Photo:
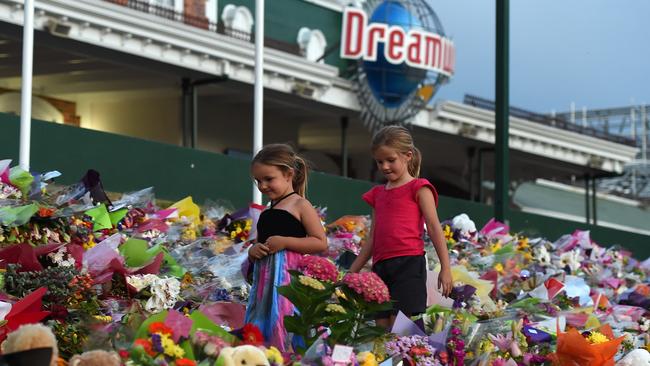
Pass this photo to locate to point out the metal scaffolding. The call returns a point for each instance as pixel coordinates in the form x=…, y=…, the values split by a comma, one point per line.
x=631, y=122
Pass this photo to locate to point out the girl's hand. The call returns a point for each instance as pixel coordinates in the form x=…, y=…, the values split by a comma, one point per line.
x=258, y=251
x=445, y=281
x=275, y=244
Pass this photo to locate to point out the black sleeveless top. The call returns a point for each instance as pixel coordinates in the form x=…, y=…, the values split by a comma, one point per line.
x=280, y=222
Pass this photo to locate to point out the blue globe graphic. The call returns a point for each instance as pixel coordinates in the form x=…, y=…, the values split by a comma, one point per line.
x=392, y=84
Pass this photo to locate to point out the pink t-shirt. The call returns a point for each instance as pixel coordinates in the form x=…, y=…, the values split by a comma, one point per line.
x=399, y=223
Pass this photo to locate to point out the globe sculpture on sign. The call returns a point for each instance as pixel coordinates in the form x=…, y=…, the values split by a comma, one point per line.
x=389, y=92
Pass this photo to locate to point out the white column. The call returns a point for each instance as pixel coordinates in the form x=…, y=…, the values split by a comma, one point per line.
x=258, y=123
x=26, y=88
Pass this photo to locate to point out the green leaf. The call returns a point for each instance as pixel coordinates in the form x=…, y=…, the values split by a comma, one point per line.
x=101, y=218
x=294, y=324
x=201, y=321
x=17, y=216
x=143, y=330
x=437, y=309
x=21, y=179
x=117, y=216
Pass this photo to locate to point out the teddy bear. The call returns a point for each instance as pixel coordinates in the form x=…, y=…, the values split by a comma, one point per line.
x=246, y=355
x=95, y=358
x=30, y=336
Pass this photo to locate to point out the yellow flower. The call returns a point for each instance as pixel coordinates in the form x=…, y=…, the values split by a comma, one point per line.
x=486, y=346
x=523, y=244
x=91, y=243
x=104, y=318
x=273, y=355
x=335, y=308
x=170, y=348
x=498, y=267
x=597, y=338
x=366, y=359
x=340, y=294
x=449, y=235
x=311, y=282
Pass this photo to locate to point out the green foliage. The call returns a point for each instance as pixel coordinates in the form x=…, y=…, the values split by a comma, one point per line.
x=320, y=309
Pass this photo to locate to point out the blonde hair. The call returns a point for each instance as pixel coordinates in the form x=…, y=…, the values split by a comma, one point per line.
x=400, y=139
x=283, y=157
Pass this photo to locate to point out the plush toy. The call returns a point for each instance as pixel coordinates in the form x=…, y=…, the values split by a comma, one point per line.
x=30, y=336
x=95, y=358
x=638, y=357
x=464, y=225
x=242, y=356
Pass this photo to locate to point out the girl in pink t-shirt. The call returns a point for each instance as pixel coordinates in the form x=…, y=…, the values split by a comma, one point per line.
x=400, y=209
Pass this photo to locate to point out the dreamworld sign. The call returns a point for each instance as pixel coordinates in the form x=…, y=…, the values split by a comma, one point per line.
x=395, y=43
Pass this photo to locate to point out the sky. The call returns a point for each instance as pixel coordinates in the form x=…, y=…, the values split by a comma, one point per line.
x=595, y=53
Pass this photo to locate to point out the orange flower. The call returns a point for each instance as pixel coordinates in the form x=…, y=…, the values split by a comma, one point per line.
x=574, y=349
x=185, y=362
x=45, y=212
x=160, y=327
x=146, y=345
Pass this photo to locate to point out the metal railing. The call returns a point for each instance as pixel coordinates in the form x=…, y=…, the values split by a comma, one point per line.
x=204, y=23
x=167, y=13
x=557, y=121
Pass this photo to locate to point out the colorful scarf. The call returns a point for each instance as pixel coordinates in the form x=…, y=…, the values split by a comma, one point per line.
x=266, y=307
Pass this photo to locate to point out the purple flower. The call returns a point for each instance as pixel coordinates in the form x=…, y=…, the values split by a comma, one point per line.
x=534, y=335
x=220, y=295
x=156, y=343
x=462, y=294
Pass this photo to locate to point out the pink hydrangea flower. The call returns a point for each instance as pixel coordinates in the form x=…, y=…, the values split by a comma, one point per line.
x=369, y=285
x=319, y=268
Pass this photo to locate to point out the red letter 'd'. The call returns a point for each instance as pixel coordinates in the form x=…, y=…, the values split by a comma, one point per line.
x=354, y=22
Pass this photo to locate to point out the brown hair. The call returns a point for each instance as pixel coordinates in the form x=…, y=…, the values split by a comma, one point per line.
x=283, y=157
x=400, y=139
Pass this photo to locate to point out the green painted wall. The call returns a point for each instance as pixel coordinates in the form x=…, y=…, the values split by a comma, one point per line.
x=283, y=19
x=128, y=164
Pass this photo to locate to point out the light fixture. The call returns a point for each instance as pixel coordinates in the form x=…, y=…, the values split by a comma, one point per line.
x=59, y=28
x=304, y=89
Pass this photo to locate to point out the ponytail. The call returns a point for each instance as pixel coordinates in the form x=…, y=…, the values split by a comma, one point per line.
x=415, y=162
x=300, y=172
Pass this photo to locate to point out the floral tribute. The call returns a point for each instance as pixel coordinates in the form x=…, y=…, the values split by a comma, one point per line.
x=346, y=308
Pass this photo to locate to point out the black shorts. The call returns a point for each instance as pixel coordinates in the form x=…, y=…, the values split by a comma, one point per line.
x=406, y=278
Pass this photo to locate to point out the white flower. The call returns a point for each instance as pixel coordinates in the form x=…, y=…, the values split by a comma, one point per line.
x=597, y=253
x=571, y=259
x=542, y=255
x=164, y=294
x=645, y=325
x=140, y=282
x=62, y=258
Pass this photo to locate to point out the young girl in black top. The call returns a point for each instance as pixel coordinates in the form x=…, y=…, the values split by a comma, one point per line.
x=289, y=228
